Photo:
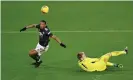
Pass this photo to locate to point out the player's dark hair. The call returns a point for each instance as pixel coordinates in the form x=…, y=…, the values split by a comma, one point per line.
x=43, y=21
x=79, y=56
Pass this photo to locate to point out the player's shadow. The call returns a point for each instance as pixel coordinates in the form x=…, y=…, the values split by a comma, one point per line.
x=75, y=69
x=108, y=71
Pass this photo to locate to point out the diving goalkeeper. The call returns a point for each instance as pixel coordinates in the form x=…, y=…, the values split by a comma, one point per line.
x=99, y=64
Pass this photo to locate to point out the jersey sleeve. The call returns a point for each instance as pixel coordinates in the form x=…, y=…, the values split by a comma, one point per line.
x=37, y=26
x=48, y=32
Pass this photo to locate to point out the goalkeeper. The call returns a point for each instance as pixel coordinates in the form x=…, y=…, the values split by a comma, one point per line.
x=99, y=64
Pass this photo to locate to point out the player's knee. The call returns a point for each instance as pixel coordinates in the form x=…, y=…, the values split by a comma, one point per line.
x=32, y=52
x=109, y=54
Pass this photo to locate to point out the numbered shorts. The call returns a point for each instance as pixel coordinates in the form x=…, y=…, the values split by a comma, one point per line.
x=40, y=49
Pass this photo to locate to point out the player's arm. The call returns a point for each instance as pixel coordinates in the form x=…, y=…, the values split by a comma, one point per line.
x=29, y=26
x=58, y=40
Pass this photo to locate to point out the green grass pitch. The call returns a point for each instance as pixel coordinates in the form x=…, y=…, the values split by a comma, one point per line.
x=60, y=63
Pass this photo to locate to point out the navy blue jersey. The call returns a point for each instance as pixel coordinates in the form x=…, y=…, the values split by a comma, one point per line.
x=44, y=35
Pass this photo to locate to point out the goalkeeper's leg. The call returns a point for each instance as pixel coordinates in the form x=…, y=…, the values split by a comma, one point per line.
x=114, y=65
x=110, y=64
x=107, y=56
x=117, y=53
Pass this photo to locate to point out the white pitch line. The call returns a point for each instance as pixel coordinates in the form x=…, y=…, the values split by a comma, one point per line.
x=96, y=31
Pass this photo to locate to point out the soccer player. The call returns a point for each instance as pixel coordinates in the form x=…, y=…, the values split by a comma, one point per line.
x=98, y=64
x=43, y=44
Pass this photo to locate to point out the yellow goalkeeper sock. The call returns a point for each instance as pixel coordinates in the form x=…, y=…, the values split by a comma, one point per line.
x=117, y=53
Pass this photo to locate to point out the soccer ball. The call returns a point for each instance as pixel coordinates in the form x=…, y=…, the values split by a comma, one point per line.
x=45, y=9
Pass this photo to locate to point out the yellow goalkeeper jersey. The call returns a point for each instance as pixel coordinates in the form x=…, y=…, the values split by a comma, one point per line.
x=92, y=64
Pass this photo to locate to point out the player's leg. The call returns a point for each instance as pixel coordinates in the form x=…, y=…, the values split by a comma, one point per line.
x=34, y=55
x=117, y=53
x=107, y=56
x=110, y=64
x=114, y=65
x=40, y=50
